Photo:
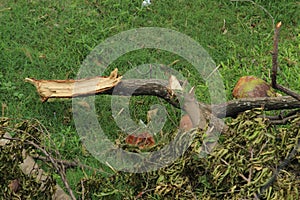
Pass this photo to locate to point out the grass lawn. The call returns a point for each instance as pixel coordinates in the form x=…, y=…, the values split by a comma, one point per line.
x=50, y=40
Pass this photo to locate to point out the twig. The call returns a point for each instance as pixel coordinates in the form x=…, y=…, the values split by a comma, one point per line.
x=293, y=112
x=159, y=88
x=281, y=166
x=275, y=66
x=262, y=147
x=140, y=194
x=214, y=71
x=245, y=179
x=265, y=10
x=282, y=119
x=275, y=55
x=5, y=9
x=83, y=190
x=250, y=170
x=234, y=107
x=54, y=164
x=173, y=63
x=288, y=91
x=66, y=163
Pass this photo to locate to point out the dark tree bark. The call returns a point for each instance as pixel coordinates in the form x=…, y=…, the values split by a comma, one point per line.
x=234, y=107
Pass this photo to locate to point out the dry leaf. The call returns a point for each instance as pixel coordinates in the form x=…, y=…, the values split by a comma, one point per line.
x=14, y=185
x=142, y=140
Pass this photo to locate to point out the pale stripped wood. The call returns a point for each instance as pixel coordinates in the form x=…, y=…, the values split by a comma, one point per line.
x=74, y=88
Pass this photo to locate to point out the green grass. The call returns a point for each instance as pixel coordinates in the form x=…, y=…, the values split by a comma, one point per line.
x=50, y=39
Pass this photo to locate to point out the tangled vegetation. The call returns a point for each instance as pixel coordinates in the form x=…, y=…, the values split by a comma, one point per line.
x=238, y=167
x=15, y=184
x=50, y=40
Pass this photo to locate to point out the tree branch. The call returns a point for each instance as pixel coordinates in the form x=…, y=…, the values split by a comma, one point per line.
x=275, y=55
x=234, y=107
x=275, y=66
x=159, y=88
x=149, y=87
x=288, y=91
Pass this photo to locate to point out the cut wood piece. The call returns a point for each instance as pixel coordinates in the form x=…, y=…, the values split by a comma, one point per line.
x=74, y=88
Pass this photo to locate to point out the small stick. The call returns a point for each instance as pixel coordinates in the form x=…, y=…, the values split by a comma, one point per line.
x=275, y=55
x=56, y=166
x=288, y=91
x=275, y=66
x=265, y=10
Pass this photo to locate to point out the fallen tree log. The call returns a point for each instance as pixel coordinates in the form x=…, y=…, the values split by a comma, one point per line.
x=113, y=85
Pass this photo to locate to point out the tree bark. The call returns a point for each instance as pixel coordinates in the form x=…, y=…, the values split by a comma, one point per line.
x=160, y=88
x=234, y=107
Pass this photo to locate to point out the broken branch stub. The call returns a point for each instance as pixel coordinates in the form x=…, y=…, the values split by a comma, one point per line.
x=196, y=113
x=65, y=88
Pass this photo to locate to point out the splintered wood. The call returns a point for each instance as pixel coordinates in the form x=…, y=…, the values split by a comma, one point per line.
x=74, y=88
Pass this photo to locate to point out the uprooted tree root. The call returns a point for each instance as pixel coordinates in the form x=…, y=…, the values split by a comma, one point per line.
x=238, y=168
